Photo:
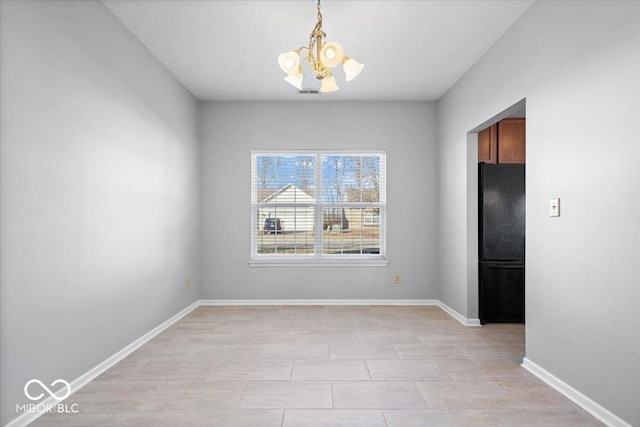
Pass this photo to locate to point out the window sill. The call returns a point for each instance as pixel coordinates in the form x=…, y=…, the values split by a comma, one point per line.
x=375, y=261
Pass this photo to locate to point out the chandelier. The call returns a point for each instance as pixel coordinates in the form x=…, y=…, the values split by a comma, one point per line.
x=327, y=56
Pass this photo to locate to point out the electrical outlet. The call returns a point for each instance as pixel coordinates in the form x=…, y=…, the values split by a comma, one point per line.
x=187, y=284
x=396, y=279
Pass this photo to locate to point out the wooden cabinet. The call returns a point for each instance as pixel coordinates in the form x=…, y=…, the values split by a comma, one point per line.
x=488, y=145
x=503, y=142
x=511, y=141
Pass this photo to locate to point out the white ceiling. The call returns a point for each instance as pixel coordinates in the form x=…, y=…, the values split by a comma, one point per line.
x=227, y=50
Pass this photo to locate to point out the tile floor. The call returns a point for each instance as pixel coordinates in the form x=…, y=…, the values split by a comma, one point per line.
x=323, y=366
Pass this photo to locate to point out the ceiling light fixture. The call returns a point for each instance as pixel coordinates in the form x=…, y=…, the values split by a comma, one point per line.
x=327, y=56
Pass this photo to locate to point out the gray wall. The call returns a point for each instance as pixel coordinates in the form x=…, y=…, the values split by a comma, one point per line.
x=577, y=64
x=230, y=130
x=99, y=192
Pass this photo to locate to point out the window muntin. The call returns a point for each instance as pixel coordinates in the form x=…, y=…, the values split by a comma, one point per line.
x=318, y=206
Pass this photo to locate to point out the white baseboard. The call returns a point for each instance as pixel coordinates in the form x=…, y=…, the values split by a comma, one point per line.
x=102, y=367
x=459, y=317
x=598, y=411
x=28, y=418
x=422, y=302
x=319, y=302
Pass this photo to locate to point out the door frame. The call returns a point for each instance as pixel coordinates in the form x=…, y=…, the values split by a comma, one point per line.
x=472, y=206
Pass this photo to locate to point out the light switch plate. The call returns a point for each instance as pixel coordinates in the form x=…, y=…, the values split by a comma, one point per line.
x=554, y=207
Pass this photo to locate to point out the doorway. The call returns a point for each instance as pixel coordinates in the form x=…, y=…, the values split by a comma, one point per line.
x=474, y=248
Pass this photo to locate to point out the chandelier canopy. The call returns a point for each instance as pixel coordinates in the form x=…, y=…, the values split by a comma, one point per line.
x=327, y=55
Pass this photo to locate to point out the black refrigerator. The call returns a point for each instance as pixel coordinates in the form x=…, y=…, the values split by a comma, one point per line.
x=501, y=242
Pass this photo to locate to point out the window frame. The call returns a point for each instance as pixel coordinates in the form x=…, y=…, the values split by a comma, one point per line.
x=318, y=258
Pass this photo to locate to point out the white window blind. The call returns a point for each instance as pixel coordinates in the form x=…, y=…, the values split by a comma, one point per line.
x=318, y=207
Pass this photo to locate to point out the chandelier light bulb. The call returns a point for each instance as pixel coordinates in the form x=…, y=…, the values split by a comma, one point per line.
x=352, y=68
x=331, y=54
x=329, y=84
x=289, y=62
x=294, y=80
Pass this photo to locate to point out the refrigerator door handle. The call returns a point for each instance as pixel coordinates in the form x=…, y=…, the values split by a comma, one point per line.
x=505, y=266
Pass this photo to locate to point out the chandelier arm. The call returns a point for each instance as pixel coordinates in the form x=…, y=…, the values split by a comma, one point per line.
x=308, y=59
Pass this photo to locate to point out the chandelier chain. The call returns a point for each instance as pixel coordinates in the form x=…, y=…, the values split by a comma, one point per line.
x=317, y=31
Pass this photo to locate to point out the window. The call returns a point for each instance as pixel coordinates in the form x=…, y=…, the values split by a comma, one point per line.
x=318, y=207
